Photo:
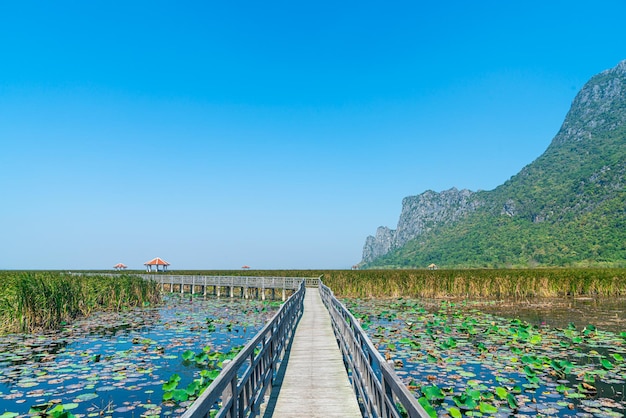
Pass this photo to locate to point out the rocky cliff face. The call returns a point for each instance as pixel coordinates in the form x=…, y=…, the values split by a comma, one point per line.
x=420, y=214
x=596, y=108
x=378, y=245
x=578, y=183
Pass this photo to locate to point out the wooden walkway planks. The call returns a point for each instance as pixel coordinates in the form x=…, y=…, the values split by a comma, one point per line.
x=315, y=382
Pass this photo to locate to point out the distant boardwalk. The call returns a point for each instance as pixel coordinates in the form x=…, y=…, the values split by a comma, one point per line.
x=315, y=383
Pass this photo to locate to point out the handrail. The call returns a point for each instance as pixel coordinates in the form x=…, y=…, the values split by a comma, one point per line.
x=265, y=282
x=376, y=384
x=240, y=388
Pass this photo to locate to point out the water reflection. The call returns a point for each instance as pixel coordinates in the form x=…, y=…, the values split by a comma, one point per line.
x=606, y=314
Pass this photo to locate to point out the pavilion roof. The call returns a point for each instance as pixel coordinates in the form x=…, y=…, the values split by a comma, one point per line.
x=156, y=262
x=120, y=266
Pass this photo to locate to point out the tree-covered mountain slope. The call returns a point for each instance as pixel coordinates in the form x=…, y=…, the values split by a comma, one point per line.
x=568, y=207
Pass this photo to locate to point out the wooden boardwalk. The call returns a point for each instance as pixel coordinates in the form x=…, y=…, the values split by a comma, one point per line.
x=314, y=382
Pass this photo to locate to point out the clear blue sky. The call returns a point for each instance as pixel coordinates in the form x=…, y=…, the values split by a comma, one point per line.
x=272, y=134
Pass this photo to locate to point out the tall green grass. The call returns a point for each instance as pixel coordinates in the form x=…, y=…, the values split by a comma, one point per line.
x=44, y=300
x=471, y=283
x=479, y=283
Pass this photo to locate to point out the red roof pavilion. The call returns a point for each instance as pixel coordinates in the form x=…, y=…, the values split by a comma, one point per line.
x=156, y=262
x=120, y=266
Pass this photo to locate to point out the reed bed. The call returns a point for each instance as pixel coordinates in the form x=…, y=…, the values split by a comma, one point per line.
x=466, y=283
x=481, y=283
x=46, y=300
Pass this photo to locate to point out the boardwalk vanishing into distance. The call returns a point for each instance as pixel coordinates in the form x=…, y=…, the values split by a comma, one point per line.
x=315, y=382
x=312, y=359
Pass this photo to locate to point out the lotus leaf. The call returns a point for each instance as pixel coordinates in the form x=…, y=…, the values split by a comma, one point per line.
x=432, y=392
x=486, y=408
x=427, y=407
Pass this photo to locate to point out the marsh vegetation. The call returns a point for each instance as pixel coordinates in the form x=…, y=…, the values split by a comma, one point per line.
x=32, y=301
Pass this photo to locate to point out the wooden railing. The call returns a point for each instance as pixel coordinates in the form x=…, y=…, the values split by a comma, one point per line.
x=376, y=384
x=226, y=281
x=260, y=282
x=313, y=281
x=240, y=388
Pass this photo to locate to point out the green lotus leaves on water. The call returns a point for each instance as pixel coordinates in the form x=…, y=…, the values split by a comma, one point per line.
x=589, y=330
x=427, y=407
x=454, y=412
x=512, y=401
x=448, y=344
x=170, y=386
x=188, y=355
x=464, y=401
x=486, y=408
x=100, y=361
x=432, y=392
x=193, y=388
x=506, y=364
x=180, y=395
x=83, y=397
x=69, y=406
x=210, y=374
x=201, y=358
x=607, y=364
x=501, y=392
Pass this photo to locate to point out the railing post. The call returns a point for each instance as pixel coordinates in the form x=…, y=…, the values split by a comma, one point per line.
x=375, y=382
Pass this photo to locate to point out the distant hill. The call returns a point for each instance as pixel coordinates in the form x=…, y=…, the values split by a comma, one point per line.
x=566, y=208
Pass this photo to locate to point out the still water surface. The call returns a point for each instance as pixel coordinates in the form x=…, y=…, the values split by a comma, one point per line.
x=116, y=364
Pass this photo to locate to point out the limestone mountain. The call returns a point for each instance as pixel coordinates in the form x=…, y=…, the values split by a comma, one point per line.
x=568, y=207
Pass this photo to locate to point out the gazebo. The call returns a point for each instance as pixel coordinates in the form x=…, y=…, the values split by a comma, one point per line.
x=120, y=266
x=246, y=267
x=156, y=262
x=432, y=266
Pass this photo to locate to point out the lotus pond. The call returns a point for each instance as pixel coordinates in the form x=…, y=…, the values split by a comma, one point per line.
x=462, y=361
x=143, y=362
